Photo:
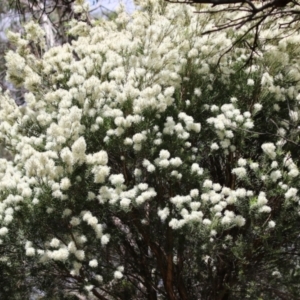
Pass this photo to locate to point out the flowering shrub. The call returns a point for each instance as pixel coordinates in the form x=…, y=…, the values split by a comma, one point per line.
x=146, y=165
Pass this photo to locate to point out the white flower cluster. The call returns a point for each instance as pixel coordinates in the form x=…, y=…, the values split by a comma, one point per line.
x=216, y=197
x=225, y=124
x=179, y=129
x=269, y=149
x=129, y=118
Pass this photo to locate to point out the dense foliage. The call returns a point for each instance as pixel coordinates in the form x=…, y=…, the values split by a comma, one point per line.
x=149, y=166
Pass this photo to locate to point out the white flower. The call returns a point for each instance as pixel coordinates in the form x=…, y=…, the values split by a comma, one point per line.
x=116, y=179
x=266, y=79
x=99, y=278
x=249, y=193
x=164, y=154
x=206, y=222
x=151, y=168
x=80, y=255
x=176, y=224
x=9, y=211
x=196, y=168
x=226, y=220
x=100, y=158
x=274, y=164
x=164, y=163
x=276, y=274
x=65, y=184
x=93, y=263
x=163, y=213
x=143, y=186
x=240, y=172
x=207, y=183
x=75, y=221
x=240, y=221
x=197, y=92
x=8, y=219
x=195, y=205
x=225, y=143
x=78, y=150
x=214, y=146
x=205, y=197
x=125, y=202
x=35, y=201
x=90, y=219
x=138, y=138
x=293, y=172
x=54, y=243
x=254, y=166
x=242, y=162
x=257, y=107
x=294, y=116
x=248, y=124
x=72, y=247
x=261, y=199
x=218, y=208
x=271, y=224
x=250, y=82
x=214, y=108
x=61, y=254
x=269, y=149
x=30, y=251
x=118, y=275
x=137, y=172
x=104, y=239
x=89, y=287
x=275, y=175
x=216, y=187
x=241, y=192
x=265, y=209
x=176, y=162
x=291, y=193
x=194, y=193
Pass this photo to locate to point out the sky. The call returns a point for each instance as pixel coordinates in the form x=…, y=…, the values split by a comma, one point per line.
x=97, y=6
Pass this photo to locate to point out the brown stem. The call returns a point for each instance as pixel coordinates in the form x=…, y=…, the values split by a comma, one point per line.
x=180, y=282
x=98, y=295
x=164, y=260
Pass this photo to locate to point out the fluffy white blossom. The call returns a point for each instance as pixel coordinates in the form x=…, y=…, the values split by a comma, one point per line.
x=163, y=213
x=62, y=254
x=105, y=239
x=54, y=243
x=269, y=149
x=242, y=162
x=291, y=193
x=118, y=275
x=250, y=82
x=125, y=202
x=164, y=154
x=78, y=150
x=275, y=175
x=117, y=179
x=30, y=251
x=240, y=172
x=271, y=224
x=207, y=183
x=3, y=231
x=65, y=183
x=93, y=263
x=214, y=146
